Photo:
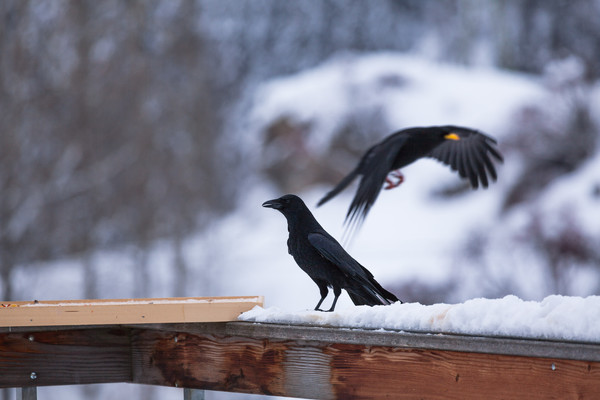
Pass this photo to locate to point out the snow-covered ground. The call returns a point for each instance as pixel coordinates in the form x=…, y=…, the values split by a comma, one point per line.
x=410, y=91
x=555, y=317
x=410, y=234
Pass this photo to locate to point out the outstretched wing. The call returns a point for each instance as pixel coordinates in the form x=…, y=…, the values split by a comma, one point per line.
x=471, y=156
x=376, y=165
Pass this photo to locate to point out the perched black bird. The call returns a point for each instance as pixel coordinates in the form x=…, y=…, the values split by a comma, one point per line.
x=465, y=150
x=324, y=259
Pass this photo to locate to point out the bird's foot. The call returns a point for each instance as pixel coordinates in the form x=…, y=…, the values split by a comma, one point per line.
x=394, y=179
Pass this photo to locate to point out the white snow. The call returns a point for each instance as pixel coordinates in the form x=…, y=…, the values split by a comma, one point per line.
x=424, y=93
x=409, y=236
x=574, y=193
x=511, y=259
x=555, y=317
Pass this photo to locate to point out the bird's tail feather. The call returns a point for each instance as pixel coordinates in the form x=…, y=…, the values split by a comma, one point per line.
x=339, y=187
x=390, y=297
x=369, y=297
x=363, y=299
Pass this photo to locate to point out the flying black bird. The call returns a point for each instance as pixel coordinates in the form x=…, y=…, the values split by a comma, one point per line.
x=465, y=150
x=324, y=259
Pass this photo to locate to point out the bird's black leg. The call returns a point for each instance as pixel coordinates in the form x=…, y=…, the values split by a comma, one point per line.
x=336, y=292
x=323, y=289
x=390, y=184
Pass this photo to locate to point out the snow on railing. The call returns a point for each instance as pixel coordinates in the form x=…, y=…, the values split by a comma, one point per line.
x=340, y=355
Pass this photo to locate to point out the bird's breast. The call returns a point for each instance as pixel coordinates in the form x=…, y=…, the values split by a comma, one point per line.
x=307, y=258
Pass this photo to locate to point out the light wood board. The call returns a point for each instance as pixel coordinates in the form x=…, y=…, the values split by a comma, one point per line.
x=125, y=311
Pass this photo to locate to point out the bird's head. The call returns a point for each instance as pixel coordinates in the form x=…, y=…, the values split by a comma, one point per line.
x=289, y=203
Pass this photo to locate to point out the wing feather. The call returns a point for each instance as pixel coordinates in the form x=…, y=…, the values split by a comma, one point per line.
x=478, y=168
x=475, y=171
x=335, y=253
x=471, y=156
x=377, y=164
x=329, y=248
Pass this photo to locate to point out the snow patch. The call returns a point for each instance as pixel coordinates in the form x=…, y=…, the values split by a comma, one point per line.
x=555, y=317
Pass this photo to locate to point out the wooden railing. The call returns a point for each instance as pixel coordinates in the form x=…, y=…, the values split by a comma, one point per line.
x=300, y=361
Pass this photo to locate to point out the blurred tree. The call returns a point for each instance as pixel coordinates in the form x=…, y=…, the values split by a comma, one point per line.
x=110, y=110
x=108, y=128
x=555, y=137
x=565, y=248
x=529, y=34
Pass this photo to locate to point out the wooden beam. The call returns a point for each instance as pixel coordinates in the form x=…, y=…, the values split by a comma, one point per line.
x=300, y=361
x=125, y=311
x=409, y=340
x=327, y=370
x=65, y=357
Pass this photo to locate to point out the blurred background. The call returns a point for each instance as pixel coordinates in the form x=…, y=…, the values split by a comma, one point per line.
x=139, y=139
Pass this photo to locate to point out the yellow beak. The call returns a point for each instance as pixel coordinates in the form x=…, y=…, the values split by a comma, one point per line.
x=452, y=136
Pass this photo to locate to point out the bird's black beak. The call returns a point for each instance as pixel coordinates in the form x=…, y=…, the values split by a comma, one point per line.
x=275, y=203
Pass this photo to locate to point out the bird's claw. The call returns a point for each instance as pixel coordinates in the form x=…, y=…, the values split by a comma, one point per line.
x=394, y=179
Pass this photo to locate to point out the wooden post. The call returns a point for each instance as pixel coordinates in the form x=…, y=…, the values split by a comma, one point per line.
x=193, y=394
x=27, y=393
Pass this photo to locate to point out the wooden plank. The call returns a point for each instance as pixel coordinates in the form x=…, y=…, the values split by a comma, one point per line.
x=297, y=361
x=125, y=311
x=452, y=342
x=65, y=357
x=325, y=370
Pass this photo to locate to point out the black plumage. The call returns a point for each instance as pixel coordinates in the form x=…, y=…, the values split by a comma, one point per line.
x=465, y=150
x=324, y=259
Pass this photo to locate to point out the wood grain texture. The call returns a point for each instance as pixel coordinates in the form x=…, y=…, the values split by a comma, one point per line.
x=544, y=348
x=126, y=311
x=307, y=362
x=65, y=357
x=351, y=371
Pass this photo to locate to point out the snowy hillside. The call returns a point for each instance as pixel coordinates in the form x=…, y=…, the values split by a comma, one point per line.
x=420, y=244
x=412, y=236
x=139, y=140
x=410, y=91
